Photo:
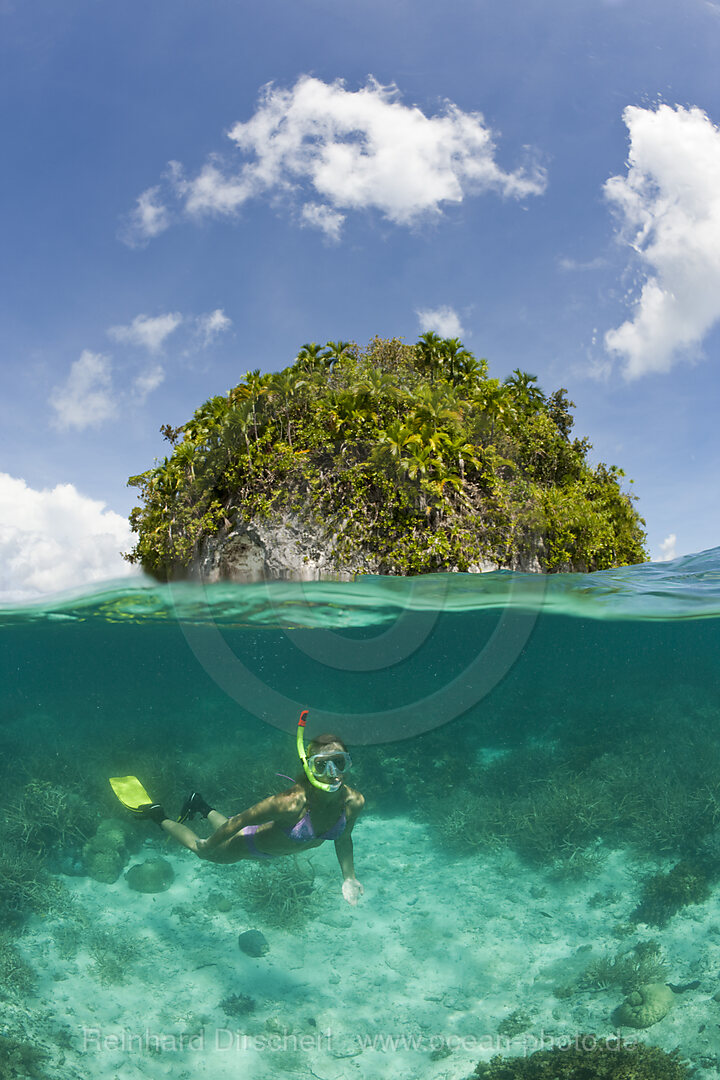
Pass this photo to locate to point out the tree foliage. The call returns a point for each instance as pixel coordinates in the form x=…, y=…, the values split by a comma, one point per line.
x=410, y=453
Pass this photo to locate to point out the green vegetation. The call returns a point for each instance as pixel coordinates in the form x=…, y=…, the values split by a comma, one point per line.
x=238, y=1005
x=627, y=970
x=26, y=887
x=283, y=893
x=568, y=795
x=589, y=1058
x=49, y=815
x=409, y=455
x=554, y=811
x=688, y=882
x=20, y=1060
x=17, y=978
x=113, y=955
x=515, y=1023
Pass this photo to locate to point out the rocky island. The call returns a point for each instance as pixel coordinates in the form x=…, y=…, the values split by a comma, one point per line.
x=385, y=459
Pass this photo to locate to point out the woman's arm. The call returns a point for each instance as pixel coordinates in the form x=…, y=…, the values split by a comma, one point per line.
x=270, y=809
x=352, y=890
x=344, y=852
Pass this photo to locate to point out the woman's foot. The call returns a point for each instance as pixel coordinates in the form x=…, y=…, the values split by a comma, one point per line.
x=194, y=804
x=153, y=812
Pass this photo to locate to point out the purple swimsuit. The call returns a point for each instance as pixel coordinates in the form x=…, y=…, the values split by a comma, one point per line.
x=301, y=832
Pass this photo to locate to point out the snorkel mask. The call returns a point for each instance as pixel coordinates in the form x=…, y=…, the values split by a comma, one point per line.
x=331, y=764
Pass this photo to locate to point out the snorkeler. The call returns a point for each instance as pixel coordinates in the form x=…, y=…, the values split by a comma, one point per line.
x=319, y=806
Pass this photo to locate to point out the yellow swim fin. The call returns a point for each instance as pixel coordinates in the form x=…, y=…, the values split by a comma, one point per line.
x=130, y=792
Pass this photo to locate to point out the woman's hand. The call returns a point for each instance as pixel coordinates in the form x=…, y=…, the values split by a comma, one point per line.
x=352, y=890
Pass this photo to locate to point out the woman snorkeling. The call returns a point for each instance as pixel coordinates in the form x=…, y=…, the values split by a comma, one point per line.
x=319, y=806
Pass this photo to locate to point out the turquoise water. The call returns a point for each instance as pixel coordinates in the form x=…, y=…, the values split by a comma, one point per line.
x=533, y=751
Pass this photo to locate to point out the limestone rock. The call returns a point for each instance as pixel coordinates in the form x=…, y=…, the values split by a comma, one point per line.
x=282, y=548
x=288, y=547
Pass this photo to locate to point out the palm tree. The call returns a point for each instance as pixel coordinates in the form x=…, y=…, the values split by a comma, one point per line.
x=418, y=461
x=429, y=349
x=334, y=351
x=393, y=444
x=525, y=391
x=351, y=409
x=470, y=369
x=184, y=458
x=255, y=386
x=237, y=422
x=311, y=357
x=283, y=388
x=461, y=452
x=437, y=407
x=206, y=420
x=454, y=354
x=434, y=438
x=165, y=483
x=377, y=384
x=494, y=399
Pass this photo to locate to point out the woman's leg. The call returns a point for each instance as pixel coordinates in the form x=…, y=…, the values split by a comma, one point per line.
x=181, y=833
x=185, y=835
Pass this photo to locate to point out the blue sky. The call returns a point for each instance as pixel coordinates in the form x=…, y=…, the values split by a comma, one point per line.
x=191, y=189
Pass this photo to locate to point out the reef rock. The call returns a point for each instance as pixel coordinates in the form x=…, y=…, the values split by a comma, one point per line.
x=253, y=942
x=105, y=854
x=154, y=875
x=645, y=1006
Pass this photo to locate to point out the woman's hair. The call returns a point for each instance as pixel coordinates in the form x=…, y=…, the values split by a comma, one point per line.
x=316, y=746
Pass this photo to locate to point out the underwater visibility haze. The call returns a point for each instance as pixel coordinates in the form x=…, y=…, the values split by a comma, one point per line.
x=539, y=849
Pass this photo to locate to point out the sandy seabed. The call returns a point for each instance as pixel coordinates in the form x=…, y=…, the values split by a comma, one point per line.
x=443, y=961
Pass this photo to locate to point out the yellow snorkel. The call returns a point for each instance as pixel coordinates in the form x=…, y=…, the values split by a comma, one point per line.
x=301, y=753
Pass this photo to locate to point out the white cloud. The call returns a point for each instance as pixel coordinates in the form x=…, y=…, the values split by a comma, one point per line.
x=328, y=150
x=212, y=325
x=147, y=331
x=668, y=549
x=319, y=216
x=669, y=207
x=56, y=539
x=86, y=398
x=211, y=192
x=148, y=219
x=146, y=382
x=443, y=321
x=90, y=394
x=569, y=264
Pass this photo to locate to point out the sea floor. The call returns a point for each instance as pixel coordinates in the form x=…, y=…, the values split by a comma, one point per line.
x=446, y=961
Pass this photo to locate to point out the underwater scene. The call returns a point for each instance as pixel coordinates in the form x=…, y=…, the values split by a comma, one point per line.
x=535, y=870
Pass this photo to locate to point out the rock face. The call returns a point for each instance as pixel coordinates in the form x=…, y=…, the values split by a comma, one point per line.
x=289, y=548
x=269, y=550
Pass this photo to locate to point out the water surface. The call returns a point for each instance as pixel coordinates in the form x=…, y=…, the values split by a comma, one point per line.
x=527, y=747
